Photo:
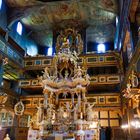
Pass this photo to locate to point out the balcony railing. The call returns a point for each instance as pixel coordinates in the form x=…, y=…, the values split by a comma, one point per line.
x=106, y=79
x=37, y=62
x=88, y=59
x=106, y=100
x=100, y=79
x=11, y=53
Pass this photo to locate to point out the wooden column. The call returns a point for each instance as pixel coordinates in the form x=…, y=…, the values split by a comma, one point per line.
x=1, y=73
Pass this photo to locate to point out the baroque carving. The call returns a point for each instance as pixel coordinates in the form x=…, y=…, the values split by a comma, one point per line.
x=19, y=108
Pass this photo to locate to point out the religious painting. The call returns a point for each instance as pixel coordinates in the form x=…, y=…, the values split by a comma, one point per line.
x=22, y=3
x=111, y=5
x=95, y=13
x=63, y=11
x=48, y=16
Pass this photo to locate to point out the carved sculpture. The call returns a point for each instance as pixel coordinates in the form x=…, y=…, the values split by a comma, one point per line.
x=89, y=112
x=7, y=137
x=71, y=39
x=132, y=83
x=134, y=79
x=19, y=108
x=39, y=114
x=3, y=98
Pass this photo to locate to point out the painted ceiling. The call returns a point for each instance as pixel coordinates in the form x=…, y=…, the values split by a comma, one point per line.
x=45, y=16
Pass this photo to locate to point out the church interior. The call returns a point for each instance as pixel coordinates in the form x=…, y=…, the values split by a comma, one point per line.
x=69, y=69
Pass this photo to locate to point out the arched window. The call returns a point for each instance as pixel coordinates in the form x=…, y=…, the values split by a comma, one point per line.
x=0, y=4
x=50, y=51
x=101, y=48
x=19, y=28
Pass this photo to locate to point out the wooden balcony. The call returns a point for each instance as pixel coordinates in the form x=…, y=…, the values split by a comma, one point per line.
x=106, y=100
x=33, y=63
x=29, y=83
x=105, y=79
x=13, y=55
x=100, y=79
x=40, y=61
x=100, y=60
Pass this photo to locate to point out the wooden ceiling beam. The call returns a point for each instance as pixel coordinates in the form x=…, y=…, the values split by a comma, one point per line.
x=133, y=10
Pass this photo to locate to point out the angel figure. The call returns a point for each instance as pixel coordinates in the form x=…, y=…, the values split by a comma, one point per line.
x=60, y=112
x=128, y=89
x=40, y=78
x=66, y=74
x=75, y=54
x=7, y=137
x=79, y=43
x=46, y=73
x=59, y=41
x=134, y=79
x=39, y=114
x=87, y=78
x=75, y=113
x=50, y=111
x=68, y=109
x=89, y=112
x=78, y=72
x=68, y=106
x=45, y=100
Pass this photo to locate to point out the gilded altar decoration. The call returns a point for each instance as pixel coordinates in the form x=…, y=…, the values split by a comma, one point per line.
x=67, y=80
x=69, y=39
x=133, y=79
x=19, y=108
x=67, y=76
x=5, y=61
x=3, y=98
x=132, y=83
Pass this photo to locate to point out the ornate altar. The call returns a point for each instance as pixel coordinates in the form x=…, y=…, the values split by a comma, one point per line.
x=69, y=81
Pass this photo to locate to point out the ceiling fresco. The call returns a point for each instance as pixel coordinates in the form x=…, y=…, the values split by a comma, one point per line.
x=46, y=37
x=22, y=3
x=100, y=33
x=45, y=16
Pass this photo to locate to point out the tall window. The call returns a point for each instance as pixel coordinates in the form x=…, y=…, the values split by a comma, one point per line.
x=101, y=48
x=0, y=4
x=117, y=21
x=19, y=28
x=50, y=51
